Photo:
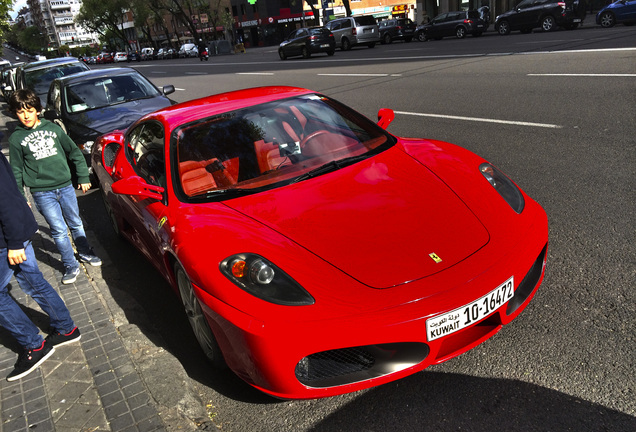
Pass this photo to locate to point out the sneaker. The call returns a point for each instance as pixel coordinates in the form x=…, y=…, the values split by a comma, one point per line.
x=29, y=360
x=70, y=275
x=59, y=339
x=90, y=259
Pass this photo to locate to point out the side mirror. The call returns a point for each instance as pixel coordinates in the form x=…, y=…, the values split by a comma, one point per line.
x=168, y=89
x=138, y=187
x=385, y=117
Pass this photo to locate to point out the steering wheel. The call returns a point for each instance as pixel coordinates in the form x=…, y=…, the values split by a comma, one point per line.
x=311, y=136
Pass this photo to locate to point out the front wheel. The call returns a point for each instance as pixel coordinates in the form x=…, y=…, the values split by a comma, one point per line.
x=281, y=54
x=548, y=23
x=608, y=20
x=386, y=39
x=197, y=319
x=421, y=37
x=460, y=32
x=503, y=28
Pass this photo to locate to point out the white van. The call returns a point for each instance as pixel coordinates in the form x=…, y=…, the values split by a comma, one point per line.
x=147, y=53
x=188, y=50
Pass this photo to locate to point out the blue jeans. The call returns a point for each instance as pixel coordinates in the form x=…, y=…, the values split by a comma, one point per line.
x=59, y=208
x=32, y=282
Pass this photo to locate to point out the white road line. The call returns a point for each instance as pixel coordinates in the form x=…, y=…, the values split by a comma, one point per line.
x=485, y=120
x=254, y=73
x=355, y=74
x=585, y=75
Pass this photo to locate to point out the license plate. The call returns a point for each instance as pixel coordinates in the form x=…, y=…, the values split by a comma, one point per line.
x=367, y=30
x=467, y=315
x=576, y=20
x=324, y=46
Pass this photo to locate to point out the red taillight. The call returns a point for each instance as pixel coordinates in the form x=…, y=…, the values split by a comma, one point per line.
x=354, y=31
x=562, y=4
x=312, y=37
x=467, y=21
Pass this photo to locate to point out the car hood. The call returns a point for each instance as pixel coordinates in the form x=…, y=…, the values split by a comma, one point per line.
x=384, y=221
x=119, y=116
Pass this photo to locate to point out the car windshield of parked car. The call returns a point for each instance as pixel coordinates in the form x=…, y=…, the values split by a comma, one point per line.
x=270, y=145
x=39, y=80
x=105, y=91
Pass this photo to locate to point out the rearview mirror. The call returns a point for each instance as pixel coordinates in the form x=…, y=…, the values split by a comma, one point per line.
x=385, y=117
x=168, y=89
x=137, y=186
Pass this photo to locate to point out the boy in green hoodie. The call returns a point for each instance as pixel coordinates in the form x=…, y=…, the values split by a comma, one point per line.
x=42, y=156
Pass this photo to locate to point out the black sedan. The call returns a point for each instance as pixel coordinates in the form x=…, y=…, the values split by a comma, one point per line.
x=307, y=41
x=89, y=104
x=455, y=23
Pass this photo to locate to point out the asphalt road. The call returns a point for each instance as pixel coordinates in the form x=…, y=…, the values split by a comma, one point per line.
x=556, y=112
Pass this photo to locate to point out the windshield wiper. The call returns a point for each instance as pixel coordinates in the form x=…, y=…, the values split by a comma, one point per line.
x=329, y=167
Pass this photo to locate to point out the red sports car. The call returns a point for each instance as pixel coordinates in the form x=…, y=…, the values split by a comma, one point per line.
x=315, y=253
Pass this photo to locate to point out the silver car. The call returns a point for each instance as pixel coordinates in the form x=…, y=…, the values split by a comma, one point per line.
x=352, y=31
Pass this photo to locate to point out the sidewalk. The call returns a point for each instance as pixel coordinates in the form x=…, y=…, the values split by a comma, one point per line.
x=96, y=384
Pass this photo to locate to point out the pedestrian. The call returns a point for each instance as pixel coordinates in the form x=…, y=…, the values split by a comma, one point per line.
x=17, y=226
x=42, y=157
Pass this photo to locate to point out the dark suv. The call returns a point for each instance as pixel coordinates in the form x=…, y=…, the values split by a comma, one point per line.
x=396, y=29
x=457, y=23
x=544, y=14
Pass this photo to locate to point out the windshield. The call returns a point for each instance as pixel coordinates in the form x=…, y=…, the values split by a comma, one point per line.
x=271, y=144
x=39, y=80
x=104, y=91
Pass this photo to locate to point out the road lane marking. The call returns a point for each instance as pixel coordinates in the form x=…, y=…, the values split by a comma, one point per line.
x=254, y=73
x=484, y=120
x=359, y=74
x=584, y=75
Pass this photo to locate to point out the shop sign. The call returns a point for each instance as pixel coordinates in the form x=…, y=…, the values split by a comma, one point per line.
x=399, y=9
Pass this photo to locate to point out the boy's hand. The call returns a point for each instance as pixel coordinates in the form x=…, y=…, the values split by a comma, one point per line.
x=84, y=187
x=16, y=256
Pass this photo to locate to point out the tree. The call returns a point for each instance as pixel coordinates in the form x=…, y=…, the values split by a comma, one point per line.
x=101, y=16
x=5, y=7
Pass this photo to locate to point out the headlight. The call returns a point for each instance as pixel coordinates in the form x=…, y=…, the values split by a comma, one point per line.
x=502, y=184
x=264, y=280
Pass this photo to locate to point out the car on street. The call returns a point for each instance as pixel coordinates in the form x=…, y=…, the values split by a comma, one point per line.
x=188, y=50
x=353, y=31
x=544, y=14
x=456, y=23
x=306, y=41
x=147, y=54
x=314, y=252
x=120, y=57
x=38, y=75
x=396, y=29
x=621, y=11
x=89, y=104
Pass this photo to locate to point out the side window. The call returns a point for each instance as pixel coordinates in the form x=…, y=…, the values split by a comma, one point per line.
x=146, y=152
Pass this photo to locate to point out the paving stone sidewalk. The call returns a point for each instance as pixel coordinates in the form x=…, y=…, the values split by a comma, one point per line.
x=90, y=385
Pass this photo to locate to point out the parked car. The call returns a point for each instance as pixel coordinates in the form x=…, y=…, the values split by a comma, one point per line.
x=353, y=31
x=107, y=57
x=455, y=23
x=7, y=79
x=120, y=57
x=396, y=29
x=306, y=41
x=544, y=14
x=38, y=75
x=133, y=56
x=147, y=54
x=300, y=238
x=188, y=50
x=621, y=11
x=89, y=104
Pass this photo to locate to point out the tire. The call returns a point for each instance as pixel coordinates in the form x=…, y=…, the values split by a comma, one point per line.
x=503, y=28
x=421, y=37
x=111, y=215
x=305, y=53
x=281, y=54
x=386, y=39
x=197, y=319
x=607, y=20
x=460, y=32
x=346, y=45
x=548, y=23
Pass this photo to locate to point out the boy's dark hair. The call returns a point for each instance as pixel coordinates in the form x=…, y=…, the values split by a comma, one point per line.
x=24, y=99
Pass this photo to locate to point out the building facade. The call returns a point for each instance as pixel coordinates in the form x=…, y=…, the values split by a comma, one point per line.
x=56, y=20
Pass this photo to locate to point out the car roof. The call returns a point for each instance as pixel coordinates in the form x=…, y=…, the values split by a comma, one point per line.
x=49, y=62
x=224, y=102
x=96, y=73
